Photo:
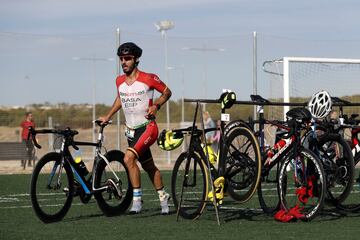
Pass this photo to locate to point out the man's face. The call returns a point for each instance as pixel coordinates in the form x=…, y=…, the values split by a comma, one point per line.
x=127, y=63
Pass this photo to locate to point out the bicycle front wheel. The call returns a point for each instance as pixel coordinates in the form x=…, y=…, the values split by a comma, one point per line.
x=51, y=188
x=116, y=192
x=189, y=184
x=242, y=164
x=302, y=184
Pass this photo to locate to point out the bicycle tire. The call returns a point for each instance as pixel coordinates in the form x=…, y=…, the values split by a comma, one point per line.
x=242, y=164
x=338, y=162
x=236, y=124
x=352, y=203
x=44, y=188
x=107, y=200
x=357, y=158
x=193, y=184
x=268, y=191
x=298, y=175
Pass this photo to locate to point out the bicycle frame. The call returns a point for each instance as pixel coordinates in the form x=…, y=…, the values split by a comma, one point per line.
x=195, y=146
x=292, y=139
x=66, y=158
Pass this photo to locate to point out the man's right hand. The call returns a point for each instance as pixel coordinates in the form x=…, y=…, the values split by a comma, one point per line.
x=104, y=119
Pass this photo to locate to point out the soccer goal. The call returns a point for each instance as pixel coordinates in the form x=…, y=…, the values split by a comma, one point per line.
x=295, y=79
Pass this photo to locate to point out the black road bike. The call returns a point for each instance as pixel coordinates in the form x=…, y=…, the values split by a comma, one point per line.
x=290, y=169
x=194, y=176
x=57, y=178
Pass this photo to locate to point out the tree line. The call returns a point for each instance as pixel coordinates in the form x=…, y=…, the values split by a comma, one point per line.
x=80, y=115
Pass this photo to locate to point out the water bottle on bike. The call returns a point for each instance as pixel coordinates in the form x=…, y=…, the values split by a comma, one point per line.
x=80, y=165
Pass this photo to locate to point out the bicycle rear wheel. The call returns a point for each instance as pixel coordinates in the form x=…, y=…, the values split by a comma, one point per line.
x=352, y=202
x=116, y=196
x=338, y=164
x=302, y=184
x=51, y=188
x=189, y=182
x=242, y=164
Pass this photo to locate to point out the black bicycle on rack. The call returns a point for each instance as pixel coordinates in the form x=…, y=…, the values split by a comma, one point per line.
x=57, y=178
x=290, y=173
x=337, y=167
x=333, y=150
x=344, y=194
x=196, y=181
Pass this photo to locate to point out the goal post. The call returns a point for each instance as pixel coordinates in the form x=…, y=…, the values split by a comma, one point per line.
x=303, y=76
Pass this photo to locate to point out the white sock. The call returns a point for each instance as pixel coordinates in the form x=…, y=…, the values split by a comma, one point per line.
x=137, y=193
x=161, y=193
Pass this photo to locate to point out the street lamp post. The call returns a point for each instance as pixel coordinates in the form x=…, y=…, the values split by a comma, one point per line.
x=182, y=68
x=163, y=27
x=93, y=60
x=204, y=50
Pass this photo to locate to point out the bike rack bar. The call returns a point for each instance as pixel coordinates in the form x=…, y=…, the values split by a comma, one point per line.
x=246, y=102
x=303, y=104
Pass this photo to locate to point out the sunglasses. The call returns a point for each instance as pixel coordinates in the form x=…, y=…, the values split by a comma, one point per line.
x=126, y=58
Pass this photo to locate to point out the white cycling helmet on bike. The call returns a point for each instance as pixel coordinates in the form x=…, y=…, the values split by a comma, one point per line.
x=320, y=104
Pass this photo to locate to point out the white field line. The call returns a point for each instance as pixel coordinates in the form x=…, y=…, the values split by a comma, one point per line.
x=73, y=204
x=25, y=197
x=18, y=198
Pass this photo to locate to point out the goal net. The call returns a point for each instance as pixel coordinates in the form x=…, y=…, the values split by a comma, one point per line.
x=295, y=79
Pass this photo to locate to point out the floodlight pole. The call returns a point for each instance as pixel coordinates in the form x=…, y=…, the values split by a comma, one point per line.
x=204, y=50
x=93, y=59
x=163, y=27
x=182, y=68
x=255, y=70
x=118, y=73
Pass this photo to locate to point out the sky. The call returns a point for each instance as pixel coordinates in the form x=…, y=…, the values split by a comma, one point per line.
x=39, y=41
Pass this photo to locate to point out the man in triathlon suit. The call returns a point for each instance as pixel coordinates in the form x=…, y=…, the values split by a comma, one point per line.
x=135, y=96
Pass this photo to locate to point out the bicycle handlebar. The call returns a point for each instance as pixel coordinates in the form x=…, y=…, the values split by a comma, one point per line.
x=190, y=129
x=67, y=133
x=101, y=123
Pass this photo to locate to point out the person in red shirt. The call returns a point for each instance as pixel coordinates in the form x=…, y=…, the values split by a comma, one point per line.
x=135, y=92
x=28, y=144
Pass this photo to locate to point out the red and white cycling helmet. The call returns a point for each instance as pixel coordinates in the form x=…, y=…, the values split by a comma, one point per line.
x=320, y=104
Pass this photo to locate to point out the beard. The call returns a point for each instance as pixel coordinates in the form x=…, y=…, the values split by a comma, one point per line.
x=128, y=69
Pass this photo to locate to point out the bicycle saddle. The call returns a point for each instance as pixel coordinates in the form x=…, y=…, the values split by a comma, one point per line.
x=258, y=99
x=354, y=115
x=299, y=113
x=337, y=100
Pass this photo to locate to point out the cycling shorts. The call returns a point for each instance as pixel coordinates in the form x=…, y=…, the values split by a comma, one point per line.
x=142, y=139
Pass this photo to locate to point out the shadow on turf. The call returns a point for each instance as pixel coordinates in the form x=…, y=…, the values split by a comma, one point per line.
x=228, y=213
x=145, y=213
x=81, y=217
